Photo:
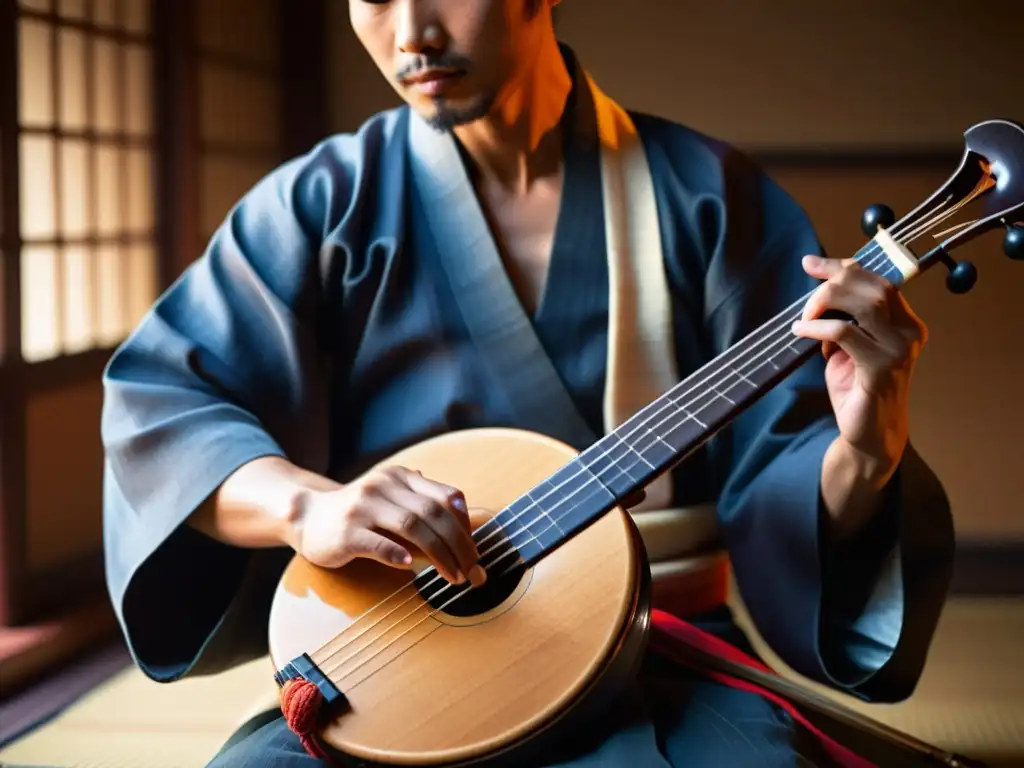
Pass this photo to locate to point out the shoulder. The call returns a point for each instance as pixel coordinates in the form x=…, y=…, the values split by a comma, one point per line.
x=699, y=169
x=693, y=158
x=275, y=231
x=706, y=165
x=724, y=208
x=319, y=186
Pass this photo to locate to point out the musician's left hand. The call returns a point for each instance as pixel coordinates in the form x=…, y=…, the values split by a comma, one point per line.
x=870, y=362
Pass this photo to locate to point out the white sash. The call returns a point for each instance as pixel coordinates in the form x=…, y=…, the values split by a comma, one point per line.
x=641, y=354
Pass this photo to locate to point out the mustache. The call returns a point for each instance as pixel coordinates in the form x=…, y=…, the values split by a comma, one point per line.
x=433, y=61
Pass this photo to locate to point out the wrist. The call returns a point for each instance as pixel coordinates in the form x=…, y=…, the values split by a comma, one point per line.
x=262, y=504
x=858, y=468
x=296, y=494
x=852, y=486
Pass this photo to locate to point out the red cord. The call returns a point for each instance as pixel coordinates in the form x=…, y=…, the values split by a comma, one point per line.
x=670, y=629
x=301, y=704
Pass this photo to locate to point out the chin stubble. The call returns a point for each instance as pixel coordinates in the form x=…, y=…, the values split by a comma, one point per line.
x=446, y=117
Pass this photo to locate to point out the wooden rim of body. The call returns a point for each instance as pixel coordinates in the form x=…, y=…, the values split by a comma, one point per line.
x=436, y=689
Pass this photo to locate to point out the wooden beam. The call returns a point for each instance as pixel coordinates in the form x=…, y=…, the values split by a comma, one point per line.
x=840, y=158
x=45, y=592
x=30, y=651
x=988, y=567
x=12, y=392
x=304, y=81
x=66, y=370
x=176, y=105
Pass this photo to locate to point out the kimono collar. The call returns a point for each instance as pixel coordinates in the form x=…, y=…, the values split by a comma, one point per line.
x=641, y=351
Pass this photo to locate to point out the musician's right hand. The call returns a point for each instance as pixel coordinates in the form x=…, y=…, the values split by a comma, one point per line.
x=380, y=514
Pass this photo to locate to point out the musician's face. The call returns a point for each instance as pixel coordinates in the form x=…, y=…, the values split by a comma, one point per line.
x=452, y=60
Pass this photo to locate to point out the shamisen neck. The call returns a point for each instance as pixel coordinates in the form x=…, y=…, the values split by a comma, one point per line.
x=675, y=424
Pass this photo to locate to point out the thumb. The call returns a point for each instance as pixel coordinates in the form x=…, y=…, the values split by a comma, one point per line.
x=633, y=499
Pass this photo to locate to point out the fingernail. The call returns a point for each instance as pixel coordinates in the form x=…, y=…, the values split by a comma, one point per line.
x=459, y=503
x=478, y=576
x=401, y=558
x=812, y=261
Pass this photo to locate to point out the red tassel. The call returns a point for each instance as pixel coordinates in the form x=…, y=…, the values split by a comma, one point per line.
x=301, y=703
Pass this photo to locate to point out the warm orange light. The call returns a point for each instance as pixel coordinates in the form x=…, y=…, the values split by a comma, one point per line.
x=107, y=190
x=40, y=336
x=110, y=295
x=74, y=189
x=73, y=94
x=88, y=263
x=105, y=79
x=79, y=323
x=37, y=186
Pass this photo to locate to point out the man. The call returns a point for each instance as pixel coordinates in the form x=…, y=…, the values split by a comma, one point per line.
x=335, y=318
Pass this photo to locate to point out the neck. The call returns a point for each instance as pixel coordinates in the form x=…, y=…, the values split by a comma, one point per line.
x=520, y=140
x=662, y=433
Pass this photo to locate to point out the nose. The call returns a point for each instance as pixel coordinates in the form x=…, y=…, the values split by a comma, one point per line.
x=417, y=29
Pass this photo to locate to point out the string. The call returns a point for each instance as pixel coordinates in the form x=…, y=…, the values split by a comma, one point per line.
x=510, y=550
x=514, y=548
x=522, y=529
x=983, y=185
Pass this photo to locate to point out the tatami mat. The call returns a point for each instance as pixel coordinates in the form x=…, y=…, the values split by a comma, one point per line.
x=971, y=696
x=971, y=701
x=132, y=722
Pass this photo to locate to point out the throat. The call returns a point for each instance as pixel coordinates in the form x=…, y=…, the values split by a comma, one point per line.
x=524, y=227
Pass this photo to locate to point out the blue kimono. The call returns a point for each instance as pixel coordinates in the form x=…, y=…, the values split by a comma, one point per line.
x=332, y=322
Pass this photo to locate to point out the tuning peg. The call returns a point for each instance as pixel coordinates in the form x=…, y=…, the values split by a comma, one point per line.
x=1013, y=242
x=962, y=276
x=876, y=216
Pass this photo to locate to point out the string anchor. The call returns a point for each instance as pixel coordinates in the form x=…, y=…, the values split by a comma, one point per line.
x=1013, y=242
x=962, y=274
x=876, y=216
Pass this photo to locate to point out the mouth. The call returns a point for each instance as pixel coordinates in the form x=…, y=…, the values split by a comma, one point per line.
x=433, y=82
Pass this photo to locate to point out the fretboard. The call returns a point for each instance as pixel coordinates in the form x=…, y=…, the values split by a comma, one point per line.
x=663, y=433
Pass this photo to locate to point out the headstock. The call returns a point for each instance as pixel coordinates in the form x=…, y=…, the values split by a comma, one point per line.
x=991, y=172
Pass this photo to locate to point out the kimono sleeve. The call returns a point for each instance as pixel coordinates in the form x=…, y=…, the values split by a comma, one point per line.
x=225, y=368
x=859, y=617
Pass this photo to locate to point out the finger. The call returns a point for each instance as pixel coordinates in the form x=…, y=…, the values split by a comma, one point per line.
x=448, y=515
x=822, y=268
x=429, y=526
x=825, y=268
x=366, y=543
x=844, y=334
x=870, y=299
x=464, y=547
x=452, y=498
x=835, y=293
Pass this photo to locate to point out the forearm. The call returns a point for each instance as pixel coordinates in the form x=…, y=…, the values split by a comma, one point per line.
x=259, y=505
x=852, y=486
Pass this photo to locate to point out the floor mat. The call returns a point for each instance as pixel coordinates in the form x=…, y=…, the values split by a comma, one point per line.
x=971, y=696
x=970, y=700
x=47, y=698
x=132, y=722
